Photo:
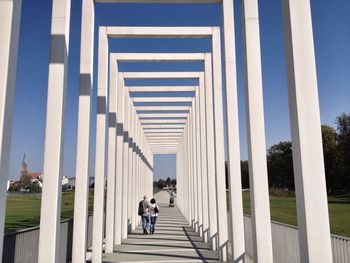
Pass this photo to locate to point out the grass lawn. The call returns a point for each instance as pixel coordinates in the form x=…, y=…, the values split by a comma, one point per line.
x=283, y=209
x=23, y=211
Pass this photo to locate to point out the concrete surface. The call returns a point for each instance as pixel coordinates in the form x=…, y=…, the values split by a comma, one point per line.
x=173, y=241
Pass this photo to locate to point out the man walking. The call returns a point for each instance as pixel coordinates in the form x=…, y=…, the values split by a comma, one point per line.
x=144, y=207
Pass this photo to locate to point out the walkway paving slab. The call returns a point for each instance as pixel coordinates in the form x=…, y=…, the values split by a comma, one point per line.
x=173, y=242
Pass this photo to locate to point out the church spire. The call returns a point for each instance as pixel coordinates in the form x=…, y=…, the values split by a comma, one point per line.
x=24, y=169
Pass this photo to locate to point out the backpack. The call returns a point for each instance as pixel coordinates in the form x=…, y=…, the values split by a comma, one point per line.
x=156, y=209
x=140, y=211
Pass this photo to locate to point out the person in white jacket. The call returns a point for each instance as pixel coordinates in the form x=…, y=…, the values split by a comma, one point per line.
x=154, y=210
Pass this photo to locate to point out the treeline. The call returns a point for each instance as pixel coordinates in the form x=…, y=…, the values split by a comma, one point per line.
x=160, y=184
x=336, y=150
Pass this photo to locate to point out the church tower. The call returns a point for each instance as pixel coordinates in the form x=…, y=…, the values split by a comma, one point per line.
x=24, y=170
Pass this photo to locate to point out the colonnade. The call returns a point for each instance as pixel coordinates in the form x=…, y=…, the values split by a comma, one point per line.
x=126, y=152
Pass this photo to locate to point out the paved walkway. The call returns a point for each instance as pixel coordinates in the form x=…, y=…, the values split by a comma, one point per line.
x=173, y=241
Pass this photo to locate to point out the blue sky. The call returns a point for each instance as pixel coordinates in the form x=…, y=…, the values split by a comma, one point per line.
x=331, y=34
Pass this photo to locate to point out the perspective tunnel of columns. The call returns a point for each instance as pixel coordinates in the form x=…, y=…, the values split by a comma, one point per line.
x=135, y=121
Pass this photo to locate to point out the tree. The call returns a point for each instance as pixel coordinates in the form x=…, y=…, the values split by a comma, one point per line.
x=329, y=141
x=280, y=165
x=343, y=148
x=26, y=180
x=245, y=174
x=161, y=184
x=168, y=182
x=173, y=182
x=34, y=187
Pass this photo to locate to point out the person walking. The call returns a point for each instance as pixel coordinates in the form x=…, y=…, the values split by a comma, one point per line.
x=144, y=212
x=154, y=210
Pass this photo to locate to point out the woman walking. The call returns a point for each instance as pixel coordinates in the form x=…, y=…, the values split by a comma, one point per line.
x=154, y=210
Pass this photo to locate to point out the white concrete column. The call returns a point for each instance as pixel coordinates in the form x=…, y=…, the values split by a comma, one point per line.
x=10, y=13
x=310, y=185
x=199, y=165
x=119, y=161
x=54, y=137
x=81, y=196
x=134, y=167
x=191, y=164
x=131, y=164
x=124, y=210
x=219, y=146
x=209, y=112
x=111, y=167
x=259, y=192
x=204, y=175
x=233, y=149
x=100, y=159
x=194, y=167
x=187, y=186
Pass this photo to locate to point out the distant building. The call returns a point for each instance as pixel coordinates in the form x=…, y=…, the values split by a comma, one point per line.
x=36, y=177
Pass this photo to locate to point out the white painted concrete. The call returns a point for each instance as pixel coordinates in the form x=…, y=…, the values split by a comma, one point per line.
x=311, y=195
x=111, y=158
x=83, y=135
x=210, y=139
x=219, y=147
x=54, y=137
x=233, y=142
x=259, y=192
x=10, y=13
x=100, y=158
x=159, y=32
x=133, y=89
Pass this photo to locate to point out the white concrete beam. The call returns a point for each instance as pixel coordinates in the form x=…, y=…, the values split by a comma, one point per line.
x=161, y=75
x=162, y=108
x=163, y=121
x=159, y=32
x=162, y=126
x=145, y=89
x=162, y=2
x=164, y=116
x=178, y=131
x=162, y=99
x=159, y=57
x=171, y=135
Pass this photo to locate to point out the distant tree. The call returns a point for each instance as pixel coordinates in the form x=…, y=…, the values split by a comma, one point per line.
x=245, y=174
x=26, y=180
x=168, y=181
x=161, y=184
x=173, y=182
x=34, y=187
x=280, y=166
x=15, y=187
x=329, y=139
x=343, y=148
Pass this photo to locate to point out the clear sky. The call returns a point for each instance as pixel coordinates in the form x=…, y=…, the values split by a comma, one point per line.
x=331, y=22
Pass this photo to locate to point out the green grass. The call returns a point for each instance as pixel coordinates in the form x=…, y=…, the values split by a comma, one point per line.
x=283, y=209
x=23, y=211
